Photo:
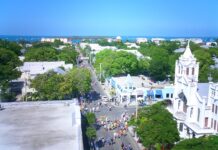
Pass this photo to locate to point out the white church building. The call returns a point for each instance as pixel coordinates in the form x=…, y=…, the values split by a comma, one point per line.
x=195, y=105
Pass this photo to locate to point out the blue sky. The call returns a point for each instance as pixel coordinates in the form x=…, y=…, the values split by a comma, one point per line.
x=109, y=17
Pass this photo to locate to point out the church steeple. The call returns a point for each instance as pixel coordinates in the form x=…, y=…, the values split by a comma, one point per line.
x=188, y=53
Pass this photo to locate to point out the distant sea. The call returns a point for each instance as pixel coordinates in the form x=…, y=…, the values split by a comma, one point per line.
x=76, y=39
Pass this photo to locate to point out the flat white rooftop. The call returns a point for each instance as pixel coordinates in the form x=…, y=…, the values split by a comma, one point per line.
x=51, y=125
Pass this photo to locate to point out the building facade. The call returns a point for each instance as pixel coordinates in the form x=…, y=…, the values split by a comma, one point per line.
x=131, y=89
x=194, y=104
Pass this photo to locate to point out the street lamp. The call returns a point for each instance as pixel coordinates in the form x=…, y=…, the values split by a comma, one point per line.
x=168, y=78
x=100, y=72
x=210, y=78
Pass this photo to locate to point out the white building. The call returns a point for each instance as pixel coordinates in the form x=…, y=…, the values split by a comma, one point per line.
x=196, y=40
x=157, y=40
x=141, y=40
x=41, y=125
x=193, y=101
x=96, y=47
x=132, y=45
x=118, y=39
x=64, y=40
x=30, y=70
x=130, y=89
x=135, y=52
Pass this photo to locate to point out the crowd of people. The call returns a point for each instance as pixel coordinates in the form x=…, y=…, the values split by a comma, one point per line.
x=115, y=129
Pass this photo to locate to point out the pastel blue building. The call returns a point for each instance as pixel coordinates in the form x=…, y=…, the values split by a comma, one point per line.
x=129, y=89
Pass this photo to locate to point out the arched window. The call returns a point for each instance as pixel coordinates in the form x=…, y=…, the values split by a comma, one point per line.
x=193, y=71
x=187, y=71
x=198, y=114
x=179, y=104
x=191, y=112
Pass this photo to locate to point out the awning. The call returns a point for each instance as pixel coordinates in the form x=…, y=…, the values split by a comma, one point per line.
x=150, y=93
x=158, y=92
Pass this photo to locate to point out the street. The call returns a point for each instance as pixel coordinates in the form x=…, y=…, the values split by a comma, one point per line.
x=114, y=114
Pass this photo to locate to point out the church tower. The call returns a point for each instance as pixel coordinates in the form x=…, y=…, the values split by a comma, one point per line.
x=186, y=77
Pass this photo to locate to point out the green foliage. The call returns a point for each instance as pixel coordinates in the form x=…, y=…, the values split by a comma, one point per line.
x=79, y=80
x=9, y=62
x=118, y=63
x=91, y=133
x=204, y=143
x=48, y=86
x=13, y=46
x=68, y=54
x=47, y=52
x=118, y=44
x=163, y=59
x=91, y=119
x=52, y=86
x=205, y=60
x=41, y=54
x=155, y=125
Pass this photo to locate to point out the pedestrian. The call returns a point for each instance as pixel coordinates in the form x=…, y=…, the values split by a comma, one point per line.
x=129, y=147
x=122, y=145
x=103, y=141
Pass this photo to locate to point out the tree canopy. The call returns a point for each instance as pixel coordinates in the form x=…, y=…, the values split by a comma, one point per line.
x=117, y=44
x=119, y=63
x=163, y=59
x=46, y=52
x=204, y=143
x=12, y=46
x=156, y=126
x=52, y=86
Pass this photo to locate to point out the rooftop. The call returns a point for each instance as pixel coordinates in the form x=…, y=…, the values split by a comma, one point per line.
x=203, y=89
x=49, y=125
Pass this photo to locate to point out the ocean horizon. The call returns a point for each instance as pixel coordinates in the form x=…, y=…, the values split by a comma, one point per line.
x=17, y=38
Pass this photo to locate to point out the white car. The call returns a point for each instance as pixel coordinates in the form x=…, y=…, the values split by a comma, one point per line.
x=105, y=98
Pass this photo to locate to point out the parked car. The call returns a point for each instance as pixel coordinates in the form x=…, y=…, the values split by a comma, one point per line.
x=105, y=98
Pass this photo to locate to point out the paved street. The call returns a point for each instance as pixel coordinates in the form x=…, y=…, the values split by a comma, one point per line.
x=114, y=114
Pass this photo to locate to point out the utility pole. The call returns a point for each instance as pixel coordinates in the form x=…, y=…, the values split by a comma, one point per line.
x=90, y=58
x=136, y=113
x=100, y=72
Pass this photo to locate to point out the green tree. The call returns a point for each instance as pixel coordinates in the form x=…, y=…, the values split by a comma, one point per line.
x=159, y=64
x=205, y=61
x=155, y=125
x=117, y=63
x=204, y=143
x=68, y=54
x=13, y=46
x=41, y=54
x=91, y=133
x=79, y=80
x=48, y=86
x=91, y=119
x=8, y=71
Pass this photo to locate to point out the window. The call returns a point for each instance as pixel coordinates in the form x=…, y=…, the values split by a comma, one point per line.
x=193, y=71
x=213, y=108
x=187, y=71
x=206, y=122
x=167, y=95
x=179, y=69
x=181, y=127
x=191, y=112
x=198, y=114
x=216, y=110
x=214, y=127
x=211, y=123
x=179, y=104
x=171, y=95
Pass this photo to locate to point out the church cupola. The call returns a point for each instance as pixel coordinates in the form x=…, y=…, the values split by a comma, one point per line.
x=187, y=66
